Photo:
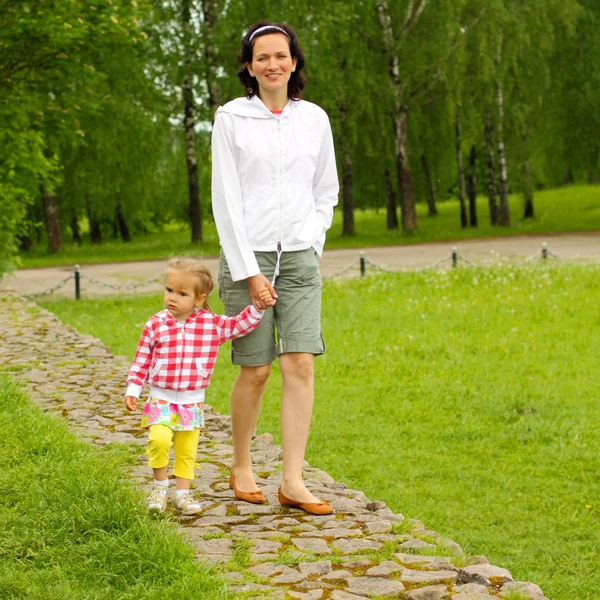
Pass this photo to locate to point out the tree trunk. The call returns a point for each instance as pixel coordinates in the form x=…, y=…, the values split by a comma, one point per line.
x=430, y=186
x=491, y=168
x=461, y=171
x=121, y=223
x=25, y=242
x=400, y=119
x=210, y=62
x=189, y=124
x=392, y=215
x=347, y=203
x=472, y=187
x=591, y=178
x=51, y=220
x=405, y=183
x=75, y=231
x=95, y=229
x=528, y=212
x=569, y=177
x=503, y=209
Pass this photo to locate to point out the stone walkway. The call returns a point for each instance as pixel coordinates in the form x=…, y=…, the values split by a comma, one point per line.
x=363, y=551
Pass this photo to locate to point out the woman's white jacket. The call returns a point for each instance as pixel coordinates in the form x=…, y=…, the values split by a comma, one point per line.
x=274, y=180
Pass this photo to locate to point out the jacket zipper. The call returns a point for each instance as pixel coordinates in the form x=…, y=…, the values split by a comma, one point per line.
x=180, y=356
x=280, y=234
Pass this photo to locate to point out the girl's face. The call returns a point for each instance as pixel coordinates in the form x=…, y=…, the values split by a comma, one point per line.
x=272, y=63
x=180, y=298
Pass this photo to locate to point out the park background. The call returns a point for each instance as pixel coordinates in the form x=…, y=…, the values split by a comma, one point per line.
x=451, y=120
x=107, y=107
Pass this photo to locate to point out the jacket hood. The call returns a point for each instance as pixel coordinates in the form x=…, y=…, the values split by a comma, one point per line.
x=253, y=108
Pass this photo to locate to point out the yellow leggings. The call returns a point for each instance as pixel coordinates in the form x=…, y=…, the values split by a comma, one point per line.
x=185, y=447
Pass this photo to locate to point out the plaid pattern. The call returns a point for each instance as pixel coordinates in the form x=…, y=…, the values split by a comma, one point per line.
x=181, y=356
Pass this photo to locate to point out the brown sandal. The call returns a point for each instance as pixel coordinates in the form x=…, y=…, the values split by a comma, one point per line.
x=253, y=497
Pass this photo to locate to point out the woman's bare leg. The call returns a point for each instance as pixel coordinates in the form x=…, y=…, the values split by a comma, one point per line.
x=297, y=371
x=245, y=407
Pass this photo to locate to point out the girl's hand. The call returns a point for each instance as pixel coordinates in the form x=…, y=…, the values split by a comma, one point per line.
x=256, y=285
x=131, y=403
x=266, y=298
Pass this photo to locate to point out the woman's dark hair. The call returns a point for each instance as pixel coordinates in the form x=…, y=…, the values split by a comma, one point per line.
x=297, y=78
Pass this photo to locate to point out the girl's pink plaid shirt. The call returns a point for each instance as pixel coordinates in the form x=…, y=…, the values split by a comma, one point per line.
x=181, y=356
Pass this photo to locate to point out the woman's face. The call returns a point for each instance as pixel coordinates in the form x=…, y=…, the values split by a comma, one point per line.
x=272, y=63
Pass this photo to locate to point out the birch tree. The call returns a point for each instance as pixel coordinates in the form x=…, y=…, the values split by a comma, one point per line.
x=419, y=43
x=187, y=64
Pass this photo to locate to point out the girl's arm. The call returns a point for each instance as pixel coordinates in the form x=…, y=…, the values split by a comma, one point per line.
x=138, y=373
x=227, y=201
x=230, y=328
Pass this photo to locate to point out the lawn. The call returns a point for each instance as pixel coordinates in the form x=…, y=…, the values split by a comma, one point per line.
x=71, y=530
x=573, y=208
x=465, y=398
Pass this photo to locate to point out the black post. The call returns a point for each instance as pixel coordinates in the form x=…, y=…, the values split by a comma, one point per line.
x=544, y=250
x=454, y=258
x=362, y=265
x=77, y=283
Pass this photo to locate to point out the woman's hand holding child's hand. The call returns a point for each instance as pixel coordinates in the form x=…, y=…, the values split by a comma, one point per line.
x=131, y=403
x=256, y=286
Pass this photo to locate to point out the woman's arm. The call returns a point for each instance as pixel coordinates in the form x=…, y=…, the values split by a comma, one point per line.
x=227, y=201
x=325, y=183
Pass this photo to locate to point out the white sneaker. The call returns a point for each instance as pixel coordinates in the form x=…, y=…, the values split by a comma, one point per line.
x=157, y=500
x=187, y=505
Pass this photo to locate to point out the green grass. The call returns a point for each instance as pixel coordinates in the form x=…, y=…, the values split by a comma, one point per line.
x=573, y=208
x=465, y=398
x=71, y=530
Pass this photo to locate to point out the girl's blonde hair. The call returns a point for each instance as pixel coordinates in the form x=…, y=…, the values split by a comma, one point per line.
x=203, y=281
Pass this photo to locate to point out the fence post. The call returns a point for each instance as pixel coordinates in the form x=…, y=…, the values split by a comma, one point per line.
x=362, y=264
x=454, y=257
x=544, y=250
x=77, y=283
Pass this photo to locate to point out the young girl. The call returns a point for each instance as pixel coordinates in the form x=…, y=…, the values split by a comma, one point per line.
x=176, y=355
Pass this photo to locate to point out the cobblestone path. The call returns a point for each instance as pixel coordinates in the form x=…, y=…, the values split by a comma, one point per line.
x=363, y=551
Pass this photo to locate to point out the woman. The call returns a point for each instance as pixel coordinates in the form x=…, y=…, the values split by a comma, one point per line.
x=274, y=187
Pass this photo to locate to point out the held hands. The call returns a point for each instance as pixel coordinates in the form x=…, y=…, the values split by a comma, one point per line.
x=266, y=299
x=131, y=403
x=262, y=293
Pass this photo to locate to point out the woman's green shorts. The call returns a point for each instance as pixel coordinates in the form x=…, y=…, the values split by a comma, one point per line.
x=293, y=324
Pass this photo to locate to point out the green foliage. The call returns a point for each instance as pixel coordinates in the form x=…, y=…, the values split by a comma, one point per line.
x=71, y=528
x=91, y=98
x=53, y=56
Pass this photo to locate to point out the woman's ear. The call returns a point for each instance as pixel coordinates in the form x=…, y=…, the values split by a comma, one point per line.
x=249, y=69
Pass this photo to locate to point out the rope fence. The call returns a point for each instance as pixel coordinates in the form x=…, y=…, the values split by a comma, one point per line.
x=364, y=264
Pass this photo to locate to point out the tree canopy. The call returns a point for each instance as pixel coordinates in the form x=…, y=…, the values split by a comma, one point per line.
x=106, y=106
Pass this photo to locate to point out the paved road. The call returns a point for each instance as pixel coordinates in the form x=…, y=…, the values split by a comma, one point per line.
x=585, y=246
